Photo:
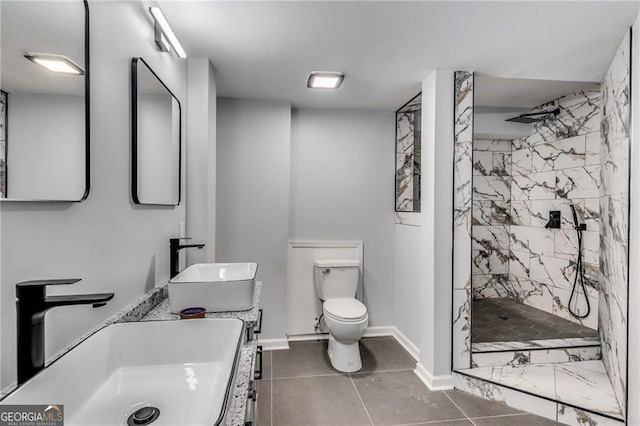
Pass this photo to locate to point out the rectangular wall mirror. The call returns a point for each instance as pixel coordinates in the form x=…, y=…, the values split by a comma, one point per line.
x=156, y=138
x=44, y=100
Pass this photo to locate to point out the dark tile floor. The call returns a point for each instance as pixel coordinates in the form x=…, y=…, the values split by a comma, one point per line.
x=505, y=320
x=301, y=388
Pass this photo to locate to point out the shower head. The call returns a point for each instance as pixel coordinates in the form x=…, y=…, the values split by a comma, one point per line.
x=534, y=117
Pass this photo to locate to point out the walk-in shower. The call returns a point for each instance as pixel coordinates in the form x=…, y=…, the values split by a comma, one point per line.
x=540, y=230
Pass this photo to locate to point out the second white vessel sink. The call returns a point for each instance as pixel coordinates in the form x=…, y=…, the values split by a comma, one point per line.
x=217, y=287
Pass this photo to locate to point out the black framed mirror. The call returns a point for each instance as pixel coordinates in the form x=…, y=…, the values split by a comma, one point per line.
x=156, y=138
x=44, y=101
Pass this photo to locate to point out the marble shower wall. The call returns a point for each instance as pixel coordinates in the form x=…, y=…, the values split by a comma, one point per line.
x=462, y=182
x=614, y=210
x=3, y=144
x=491, y=217
x=556, y=166
x=408, y=156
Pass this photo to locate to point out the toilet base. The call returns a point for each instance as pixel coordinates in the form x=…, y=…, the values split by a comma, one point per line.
x=344, y=357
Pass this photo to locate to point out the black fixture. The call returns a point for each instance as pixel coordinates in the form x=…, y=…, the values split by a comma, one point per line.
x=578, y=282
x=174, y=248
x=534, y=117
x=145, y=82
x=554, y=220
x=144, y=416
x=31, y=307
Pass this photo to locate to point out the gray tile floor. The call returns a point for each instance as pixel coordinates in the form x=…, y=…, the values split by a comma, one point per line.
x=505, y=320
x=301, y=388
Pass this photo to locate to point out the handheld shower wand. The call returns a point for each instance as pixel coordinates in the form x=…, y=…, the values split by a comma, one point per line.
x=578, y=283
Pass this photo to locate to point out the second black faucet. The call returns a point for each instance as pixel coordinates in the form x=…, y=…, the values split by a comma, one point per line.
x=174, y=248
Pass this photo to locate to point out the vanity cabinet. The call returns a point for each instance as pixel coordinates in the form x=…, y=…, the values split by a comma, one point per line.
x=251, y=412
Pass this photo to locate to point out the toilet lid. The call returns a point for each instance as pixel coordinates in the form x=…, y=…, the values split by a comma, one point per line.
x=347, y=309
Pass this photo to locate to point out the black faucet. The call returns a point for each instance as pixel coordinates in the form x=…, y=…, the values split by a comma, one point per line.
x=174, y=248
x=31, y=307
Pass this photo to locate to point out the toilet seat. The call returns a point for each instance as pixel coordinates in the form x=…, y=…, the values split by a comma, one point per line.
x=345, y=309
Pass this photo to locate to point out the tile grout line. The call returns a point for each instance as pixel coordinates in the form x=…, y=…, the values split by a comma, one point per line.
x=431, y=422
x=458, y=407
x=341, y=375
x=360, y=398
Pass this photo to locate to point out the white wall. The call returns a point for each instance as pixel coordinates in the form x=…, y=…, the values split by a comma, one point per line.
x=157, y=145
x=252, y=213
x=342, y=188
x=434, y=316
x=46, y=146
x=201, y=160
x=113, y=245
x=633, y=383
x=408, y=281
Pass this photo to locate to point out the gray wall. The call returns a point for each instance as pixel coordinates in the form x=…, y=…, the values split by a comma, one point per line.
x=437, y=201
x=342, y=188
x=201, y=160
x=408, y=282
x=113, y=245
x=252, y=214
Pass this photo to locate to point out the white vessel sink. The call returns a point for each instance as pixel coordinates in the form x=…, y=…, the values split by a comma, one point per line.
x=184, y=368
x=217, y=287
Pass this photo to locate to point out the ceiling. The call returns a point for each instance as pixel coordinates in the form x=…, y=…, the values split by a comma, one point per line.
x=266, y=50
x=41, y=27
x=523, y=93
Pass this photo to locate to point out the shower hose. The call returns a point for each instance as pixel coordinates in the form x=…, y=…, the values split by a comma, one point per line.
x=578, y=282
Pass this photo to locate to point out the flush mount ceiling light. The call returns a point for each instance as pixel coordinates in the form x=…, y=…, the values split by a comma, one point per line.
x=164, y=35
x=55, y=63
x=325, y=80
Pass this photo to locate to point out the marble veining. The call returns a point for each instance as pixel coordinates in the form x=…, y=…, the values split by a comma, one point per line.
x=462, y=219
x=536, y=344
x=3, y=144
x=408, y=152
x=583, y=384
x=552, y=169
x=614, y=205
x=489, y=386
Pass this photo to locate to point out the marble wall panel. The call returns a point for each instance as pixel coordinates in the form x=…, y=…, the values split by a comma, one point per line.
x=614, y=208
x=463, y=184
x=3, y=144
x=558, y=155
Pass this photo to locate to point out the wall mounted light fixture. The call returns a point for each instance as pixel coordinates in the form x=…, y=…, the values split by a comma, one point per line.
x=325, y=80
x=164, y=35
x=55, y=63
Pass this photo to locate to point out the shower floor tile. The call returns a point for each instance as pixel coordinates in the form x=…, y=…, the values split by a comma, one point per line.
x=505, y=320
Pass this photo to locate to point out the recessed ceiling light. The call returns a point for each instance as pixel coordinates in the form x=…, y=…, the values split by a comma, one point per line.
x=55, y=63
x=325, y=80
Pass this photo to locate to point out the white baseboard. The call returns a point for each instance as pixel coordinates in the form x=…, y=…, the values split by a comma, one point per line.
x=376, y=331
x=308, y=337
x=379, y=331
x=273, y=344
x=407, y=344
x=434, y=383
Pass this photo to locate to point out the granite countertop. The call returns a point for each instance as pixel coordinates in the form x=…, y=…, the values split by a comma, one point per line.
x=154, y=306
x=245, y=369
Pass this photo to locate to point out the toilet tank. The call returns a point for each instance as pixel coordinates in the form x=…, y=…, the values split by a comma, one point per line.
x=336, y=277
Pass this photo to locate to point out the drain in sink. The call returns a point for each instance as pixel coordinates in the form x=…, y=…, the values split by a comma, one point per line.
x=144, y=416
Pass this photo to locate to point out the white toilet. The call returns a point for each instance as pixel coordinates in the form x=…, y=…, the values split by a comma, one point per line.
x=337, y=282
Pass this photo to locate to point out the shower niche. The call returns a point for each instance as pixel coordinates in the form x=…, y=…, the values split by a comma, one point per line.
x=540, y=242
